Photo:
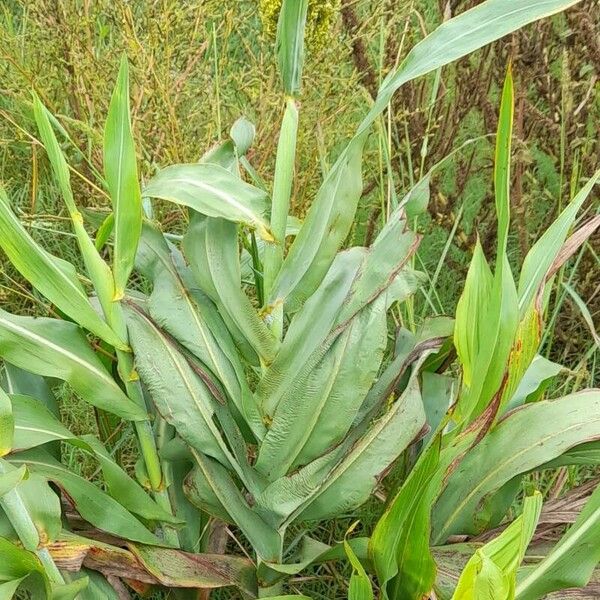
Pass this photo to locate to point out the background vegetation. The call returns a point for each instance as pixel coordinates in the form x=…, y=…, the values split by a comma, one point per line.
x=197, y=66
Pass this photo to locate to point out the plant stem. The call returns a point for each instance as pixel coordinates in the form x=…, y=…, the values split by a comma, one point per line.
x=282, y=189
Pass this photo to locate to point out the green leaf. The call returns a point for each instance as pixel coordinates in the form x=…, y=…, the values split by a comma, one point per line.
x=19, y=381
x=10, y=479
x=120, y=170
x=213, y=191
x=523, y=440
x=290, y=43
x=9, y=589
x=211, y=246
x=471, y=311
x=32, y=507
x=571, y=562
x=194, y=321
x=184, y=399
x=54, y=278
x=542, y=254
x=360, y=587
x=59, y=349
x=502, y=163
x=35, y=424
x=95, y=506
x=7, y=428
x=491, y=573
x=345, y=477
x=211, y=475
x=332, y=213
x=98, y=270
x=17, y=564
x=536, y=378
x=399, y=545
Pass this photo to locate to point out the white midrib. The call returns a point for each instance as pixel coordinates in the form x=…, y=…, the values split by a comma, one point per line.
x=220, y=194
x=55, y=347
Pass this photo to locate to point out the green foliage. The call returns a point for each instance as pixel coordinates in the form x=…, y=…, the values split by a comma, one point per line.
x=267, y=403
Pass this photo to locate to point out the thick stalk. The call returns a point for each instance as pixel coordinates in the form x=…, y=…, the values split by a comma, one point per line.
x=143, y=429
x=282, y=189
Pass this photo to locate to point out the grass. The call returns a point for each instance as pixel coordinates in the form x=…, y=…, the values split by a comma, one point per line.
x=195, y=69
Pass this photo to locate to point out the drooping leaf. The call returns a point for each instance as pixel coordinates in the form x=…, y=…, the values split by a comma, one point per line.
x=184, y=399
x=120, y=170
x=213, y=191
x=193, y=320
x=212, y=476
x=94, y=505
x=59, y=349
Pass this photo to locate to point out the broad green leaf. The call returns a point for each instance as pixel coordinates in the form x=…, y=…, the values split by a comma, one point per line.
x=17, y=564
x=194, y=321
x=211, y=246
x=35, y=424
x=325, y=228
x=54, y=278
x=308, y=331
x=209, y=473
x=331, y=215
x=491, y=573
x=98, y=270
x=59, y=349
x=542, y=254
x=290, y=44
x=523, y=440
x=399, y=545
x=571, y=562
x=94, y=505
x=9, y=589
x=344, y=477
x=120, y=170
x=213, y=191
x=332, y=391
x=20, y=381
x=184, y=399
x=7, y=428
